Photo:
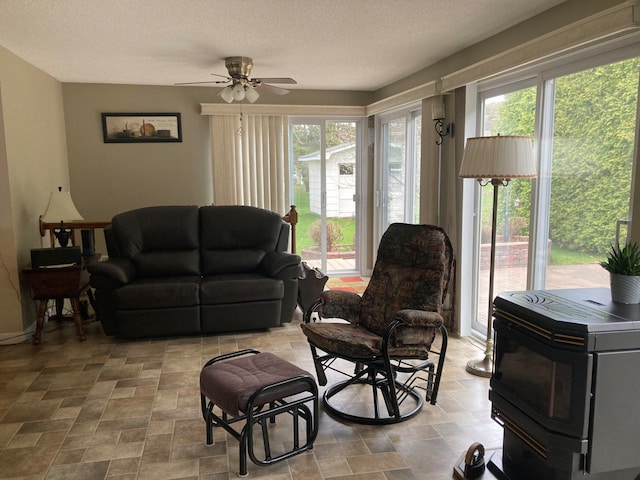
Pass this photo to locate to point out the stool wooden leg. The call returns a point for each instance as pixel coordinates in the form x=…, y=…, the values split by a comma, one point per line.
x=42, y=308
x=75, y=305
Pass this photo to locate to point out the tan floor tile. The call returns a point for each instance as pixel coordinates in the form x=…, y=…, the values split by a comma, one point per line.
x=22, y=462
x=376, y=462
x=24, y=440
x=157, y=449
x=215, y=464
x=110, y=452
x=127, y=407
x=79, y=471
x=124, y=466
x=69, y=456
x=169, y=470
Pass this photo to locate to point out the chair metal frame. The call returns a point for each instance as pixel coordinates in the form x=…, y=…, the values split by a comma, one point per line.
x=376, y=372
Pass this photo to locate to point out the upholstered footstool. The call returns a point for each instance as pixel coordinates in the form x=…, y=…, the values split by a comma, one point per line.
x=252, y=387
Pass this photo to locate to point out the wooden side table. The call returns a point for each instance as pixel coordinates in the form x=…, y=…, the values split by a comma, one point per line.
x=57, y=283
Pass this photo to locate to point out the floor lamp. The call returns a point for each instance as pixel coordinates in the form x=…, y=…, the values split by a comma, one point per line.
x=495, y=160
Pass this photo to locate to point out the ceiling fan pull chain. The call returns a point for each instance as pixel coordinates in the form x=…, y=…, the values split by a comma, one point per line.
x=240, y=131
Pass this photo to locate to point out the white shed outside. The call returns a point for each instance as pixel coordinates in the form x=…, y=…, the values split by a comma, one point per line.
x=341, y=180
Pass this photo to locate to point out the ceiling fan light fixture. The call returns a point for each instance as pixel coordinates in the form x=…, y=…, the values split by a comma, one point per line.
x=251, y=94
x=227, y=94
x=238, y=92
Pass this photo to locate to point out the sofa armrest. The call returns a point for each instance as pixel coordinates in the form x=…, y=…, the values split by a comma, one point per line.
x=275, y=264
x=112, y=273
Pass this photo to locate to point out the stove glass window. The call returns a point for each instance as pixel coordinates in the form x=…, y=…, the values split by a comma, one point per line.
x=540, y=381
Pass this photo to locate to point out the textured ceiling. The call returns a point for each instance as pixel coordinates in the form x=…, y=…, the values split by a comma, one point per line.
x=323, y=44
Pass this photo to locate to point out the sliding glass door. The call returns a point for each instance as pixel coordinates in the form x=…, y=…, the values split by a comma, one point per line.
x=325, y=157
x=553, y=231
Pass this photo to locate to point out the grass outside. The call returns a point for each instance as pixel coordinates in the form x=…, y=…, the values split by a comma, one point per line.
x=570, y=257
x=306, y=218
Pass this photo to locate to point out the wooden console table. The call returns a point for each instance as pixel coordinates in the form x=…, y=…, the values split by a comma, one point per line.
x=73, y=226
x=57, y=284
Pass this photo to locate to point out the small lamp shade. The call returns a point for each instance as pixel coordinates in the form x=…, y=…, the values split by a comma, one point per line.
x=227, y=94
x=499, y=157
x=61, y=208
x=251, y=94
x=238, y=92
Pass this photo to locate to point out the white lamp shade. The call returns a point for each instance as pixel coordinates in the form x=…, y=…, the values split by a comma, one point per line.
x=500, y=157
x=61, y=208
x=238, y=92
x=251, y=94
x=227, y=94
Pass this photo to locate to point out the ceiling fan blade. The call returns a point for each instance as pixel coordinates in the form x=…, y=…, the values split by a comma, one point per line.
x=272, y=89
x=199, y=83
x=289, y=81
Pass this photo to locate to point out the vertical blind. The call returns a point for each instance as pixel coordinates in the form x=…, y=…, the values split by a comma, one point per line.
x=250, y=160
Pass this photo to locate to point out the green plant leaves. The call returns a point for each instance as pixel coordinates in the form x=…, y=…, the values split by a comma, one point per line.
x=623, y=261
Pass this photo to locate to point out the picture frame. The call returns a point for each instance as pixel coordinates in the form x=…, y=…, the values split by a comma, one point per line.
x=141, y=127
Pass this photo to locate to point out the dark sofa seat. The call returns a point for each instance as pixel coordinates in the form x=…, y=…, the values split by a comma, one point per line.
x=187, y=270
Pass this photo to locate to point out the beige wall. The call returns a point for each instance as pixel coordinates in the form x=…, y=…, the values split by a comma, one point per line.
x=33, y=161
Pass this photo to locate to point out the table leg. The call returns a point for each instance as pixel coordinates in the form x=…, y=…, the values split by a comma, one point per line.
x=42, y=308
x=59, y=309
x=75, y=305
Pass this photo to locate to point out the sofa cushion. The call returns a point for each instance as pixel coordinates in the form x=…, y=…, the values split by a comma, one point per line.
x=162, y=292
x=159, y=240
x=241, y=260
x=235, y=238
x=220, y=289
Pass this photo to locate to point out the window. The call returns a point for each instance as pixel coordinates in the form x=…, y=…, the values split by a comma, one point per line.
x=553, y=231
x=346, y=168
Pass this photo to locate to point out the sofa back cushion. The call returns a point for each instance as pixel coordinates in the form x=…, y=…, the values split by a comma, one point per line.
x=235, y=238
x=160, y=241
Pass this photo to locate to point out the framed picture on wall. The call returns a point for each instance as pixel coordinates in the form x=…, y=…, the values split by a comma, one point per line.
x=141, y=127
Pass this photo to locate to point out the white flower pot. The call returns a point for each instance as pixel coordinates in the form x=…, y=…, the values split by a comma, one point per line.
x=625, y=288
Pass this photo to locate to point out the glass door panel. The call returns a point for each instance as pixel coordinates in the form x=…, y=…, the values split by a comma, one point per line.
x=508, y=114
x=400, y=159
x=325, y=169
x=591, y=124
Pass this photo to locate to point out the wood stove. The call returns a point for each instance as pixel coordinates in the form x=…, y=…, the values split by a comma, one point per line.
x=566, y=386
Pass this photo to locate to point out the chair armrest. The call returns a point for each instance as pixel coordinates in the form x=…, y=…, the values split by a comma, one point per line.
x=275, y=264
x=340, y=304
x=419, y=318
x=112, y=273
x=412, y=328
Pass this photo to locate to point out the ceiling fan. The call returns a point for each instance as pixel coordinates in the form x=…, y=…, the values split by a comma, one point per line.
x=241, y=86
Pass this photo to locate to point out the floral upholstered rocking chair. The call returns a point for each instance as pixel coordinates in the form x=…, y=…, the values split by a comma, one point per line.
x=383, y=340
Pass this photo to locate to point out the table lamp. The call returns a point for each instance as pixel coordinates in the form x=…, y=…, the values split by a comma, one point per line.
x=61, y=208
x=495, y=160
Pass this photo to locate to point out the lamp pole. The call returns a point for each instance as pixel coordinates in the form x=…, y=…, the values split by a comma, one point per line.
x=484, y=367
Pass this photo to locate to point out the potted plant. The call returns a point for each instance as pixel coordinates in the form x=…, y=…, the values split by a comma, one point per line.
x=623, y=265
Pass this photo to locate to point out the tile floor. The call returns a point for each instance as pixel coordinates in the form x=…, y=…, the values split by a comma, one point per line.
x=109, y=409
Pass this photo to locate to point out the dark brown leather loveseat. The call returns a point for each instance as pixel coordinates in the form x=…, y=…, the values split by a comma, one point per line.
x=188, y=270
